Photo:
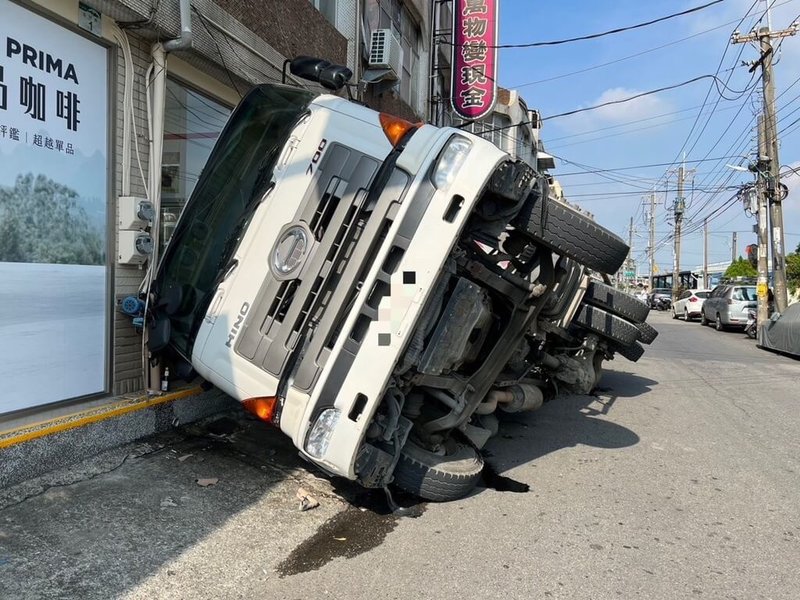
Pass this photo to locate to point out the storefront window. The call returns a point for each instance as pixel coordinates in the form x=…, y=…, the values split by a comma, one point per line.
x=53, y=212
x=192, y=124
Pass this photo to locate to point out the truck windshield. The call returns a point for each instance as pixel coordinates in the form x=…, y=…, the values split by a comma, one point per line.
x=237, y=174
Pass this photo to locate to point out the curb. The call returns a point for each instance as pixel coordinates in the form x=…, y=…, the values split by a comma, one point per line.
x=115, y=408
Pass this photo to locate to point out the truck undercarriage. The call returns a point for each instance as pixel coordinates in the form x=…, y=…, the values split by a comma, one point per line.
x=495, y=337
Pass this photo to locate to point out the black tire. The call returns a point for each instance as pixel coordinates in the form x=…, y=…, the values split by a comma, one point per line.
x=633, y=352
x=435, y=477
x=686, y=316
x=674, y=314
x=647, y=333
x=607, y=325
x=703, y=320
x=718, y=323
x=616, y=302
x=568, y=232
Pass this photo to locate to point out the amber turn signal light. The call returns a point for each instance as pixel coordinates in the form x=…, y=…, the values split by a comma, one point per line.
x=395, y=127
x=264, y=407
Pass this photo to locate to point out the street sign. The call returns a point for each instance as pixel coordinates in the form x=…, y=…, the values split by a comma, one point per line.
x=474, y=58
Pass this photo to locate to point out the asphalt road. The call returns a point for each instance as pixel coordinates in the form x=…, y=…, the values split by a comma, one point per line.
x=678, y=480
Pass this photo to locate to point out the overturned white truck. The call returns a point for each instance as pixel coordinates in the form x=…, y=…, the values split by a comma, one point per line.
x=379, y=289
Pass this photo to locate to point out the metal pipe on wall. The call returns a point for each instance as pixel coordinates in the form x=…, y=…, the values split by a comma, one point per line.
x=156, y=127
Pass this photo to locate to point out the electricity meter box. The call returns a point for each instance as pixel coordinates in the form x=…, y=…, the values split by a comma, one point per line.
x=135, y=212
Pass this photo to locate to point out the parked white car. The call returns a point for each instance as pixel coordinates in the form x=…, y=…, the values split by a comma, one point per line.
x=689, y=304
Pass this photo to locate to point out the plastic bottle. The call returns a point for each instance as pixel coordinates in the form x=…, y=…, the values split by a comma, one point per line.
x=165, y=380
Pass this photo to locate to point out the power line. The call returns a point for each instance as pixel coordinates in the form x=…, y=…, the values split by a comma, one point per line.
x=219, y=51
x=599, y=170
x=627, y=132
x=708, y=93
x=640, y=95
x=623, y=124
x=612, y=102
x=594, y=36
x=635, y=55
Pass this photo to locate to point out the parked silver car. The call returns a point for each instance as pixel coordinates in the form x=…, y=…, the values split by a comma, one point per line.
x=727, y=305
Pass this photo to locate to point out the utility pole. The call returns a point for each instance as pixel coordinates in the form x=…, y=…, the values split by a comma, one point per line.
x=652, y=247
x=679, y=209
x=630, y=253
x=765, y=36
x=630, y=238
x=761, y=194
x=733, y=247
x=705, y=254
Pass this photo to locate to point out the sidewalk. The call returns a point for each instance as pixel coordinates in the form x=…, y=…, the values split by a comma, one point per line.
x=105, y=527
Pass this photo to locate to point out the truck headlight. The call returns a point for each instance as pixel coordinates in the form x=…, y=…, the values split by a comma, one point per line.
x=450, y=161
x=321, y=432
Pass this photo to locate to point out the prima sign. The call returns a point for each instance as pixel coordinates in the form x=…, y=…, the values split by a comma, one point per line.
x=41, y=60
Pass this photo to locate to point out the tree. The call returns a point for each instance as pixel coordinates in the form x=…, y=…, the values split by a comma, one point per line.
x=41, y=222
x=10, y=243
x=740, y=268
x=793, y=269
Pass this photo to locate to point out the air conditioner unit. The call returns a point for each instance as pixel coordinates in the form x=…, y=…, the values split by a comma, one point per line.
x=385, y=52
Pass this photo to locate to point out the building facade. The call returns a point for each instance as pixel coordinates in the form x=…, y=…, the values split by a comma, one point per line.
x=84, y=140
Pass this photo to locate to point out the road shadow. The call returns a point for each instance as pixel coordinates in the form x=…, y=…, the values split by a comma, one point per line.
x=565, y=422
x=623, y=384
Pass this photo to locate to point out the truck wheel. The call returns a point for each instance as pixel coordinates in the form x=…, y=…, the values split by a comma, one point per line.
x=604, y=323
x=569, y=233
x=438, y=477
x=647, y=333
x=616, y=302
x=633, y=352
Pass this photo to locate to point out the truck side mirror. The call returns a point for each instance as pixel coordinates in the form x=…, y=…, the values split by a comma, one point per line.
x=335, y=77
x=328, y=75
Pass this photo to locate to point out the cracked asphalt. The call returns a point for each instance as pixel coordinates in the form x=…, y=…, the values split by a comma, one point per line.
x=679, y=479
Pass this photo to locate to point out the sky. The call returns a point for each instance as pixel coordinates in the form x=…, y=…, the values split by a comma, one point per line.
x=621, y=140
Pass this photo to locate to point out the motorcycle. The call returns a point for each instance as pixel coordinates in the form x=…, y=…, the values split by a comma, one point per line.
x=751, y=328
x=662, y=303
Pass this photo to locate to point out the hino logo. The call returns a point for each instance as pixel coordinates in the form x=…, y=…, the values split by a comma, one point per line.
x=237, y=324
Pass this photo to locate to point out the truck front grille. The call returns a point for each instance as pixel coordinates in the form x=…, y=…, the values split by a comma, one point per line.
x=348, y=234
